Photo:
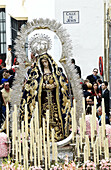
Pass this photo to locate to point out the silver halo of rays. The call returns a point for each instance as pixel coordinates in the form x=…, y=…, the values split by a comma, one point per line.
x=65, y=59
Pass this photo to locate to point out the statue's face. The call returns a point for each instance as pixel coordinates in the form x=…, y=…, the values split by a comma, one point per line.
x=45, y=63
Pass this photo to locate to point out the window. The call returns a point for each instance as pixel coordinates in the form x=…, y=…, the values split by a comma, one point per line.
x=15, y=27
x=2, y=34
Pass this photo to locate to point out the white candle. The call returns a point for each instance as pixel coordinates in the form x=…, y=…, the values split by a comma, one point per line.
x=38, y=150
x=48, y=139
x=45, y=150
x=83, y=102
x=53, y=144
x=15, y=120
x=87, y=144
x=7, y=120
x=31, y=143
x=19, y=146
x=92, y=131
x=77, y=144
x=26, y=121
x=106, y=149
x=44, y=133
x=80, y=120
x=72, y=110
x=94, y=146
x=16, y=151
x=35, y=154
x=23, y=136
x=85, y=153
x=97, y=145
x=100, y=139
x=74, y=102
x=41, y=143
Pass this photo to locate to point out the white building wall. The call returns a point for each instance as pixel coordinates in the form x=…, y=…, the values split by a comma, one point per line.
x=88, y=35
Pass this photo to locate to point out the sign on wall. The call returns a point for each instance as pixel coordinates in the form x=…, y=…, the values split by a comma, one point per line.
x=71, y=17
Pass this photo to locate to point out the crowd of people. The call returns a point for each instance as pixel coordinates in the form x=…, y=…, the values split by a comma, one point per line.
x=92, y=86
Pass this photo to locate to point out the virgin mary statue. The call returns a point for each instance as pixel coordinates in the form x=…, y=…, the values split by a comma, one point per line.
x=47, y=86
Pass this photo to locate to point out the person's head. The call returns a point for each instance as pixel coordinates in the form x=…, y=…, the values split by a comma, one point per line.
x=95, y=71
x=73, y=61
x=11, y=72
x=5, y=75
x=99, y=81
x=3, y=65
x=6, y=85
x=32, y=56
x=86, y=81
x=95, y=86
x=104, y=85
x=44, y=62
x=99, y=111
x=9, y=47
x=89, y=85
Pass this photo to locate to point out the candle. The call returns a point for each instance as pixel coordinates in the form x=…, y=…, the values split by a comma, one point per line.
x=106, y=149
x=92, y=131
x=16, y=151
x=94, y=146
x=87, y=144
x=38, y=150
x=97, y=144
x=23, y=136
x=15, y=120
x=83, y=102
x=74, y=103
x=100, y=139
x=48, y=139
x=26, y=150
x=44, y=133
x=72, y=114
x=45, y=150
x=35, y=154
x=80, y=120
x=7, y=120
x=41, y=143
x=31, y=143
x=85, y=153
x=77, y=144
x=26, y=121
x=53, y=144
x=19, y=146
x=13, y=133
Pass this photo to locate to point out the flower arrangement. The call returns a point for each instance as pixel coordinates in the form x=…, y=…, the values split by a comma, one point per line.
x=105, y=164
x=89, y=165
x=8, y=165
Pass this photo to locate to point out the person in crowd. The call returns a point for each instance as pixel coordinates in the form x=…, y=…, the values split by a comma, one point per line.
x=9, y=58
x=99, y=113
x=11, y=77
x=96, y=92
x=3, y=66
x=6, y=93
x=1, y=103
x=76, y=67
x=105, y=95
x=5, y=77
x=88, y=95
x=93, y=77
x=99, y=81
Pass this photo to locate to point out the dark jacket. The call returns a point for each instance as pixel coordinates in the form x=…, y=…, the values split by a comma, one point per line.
x=92, y=79
x=105, y=95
